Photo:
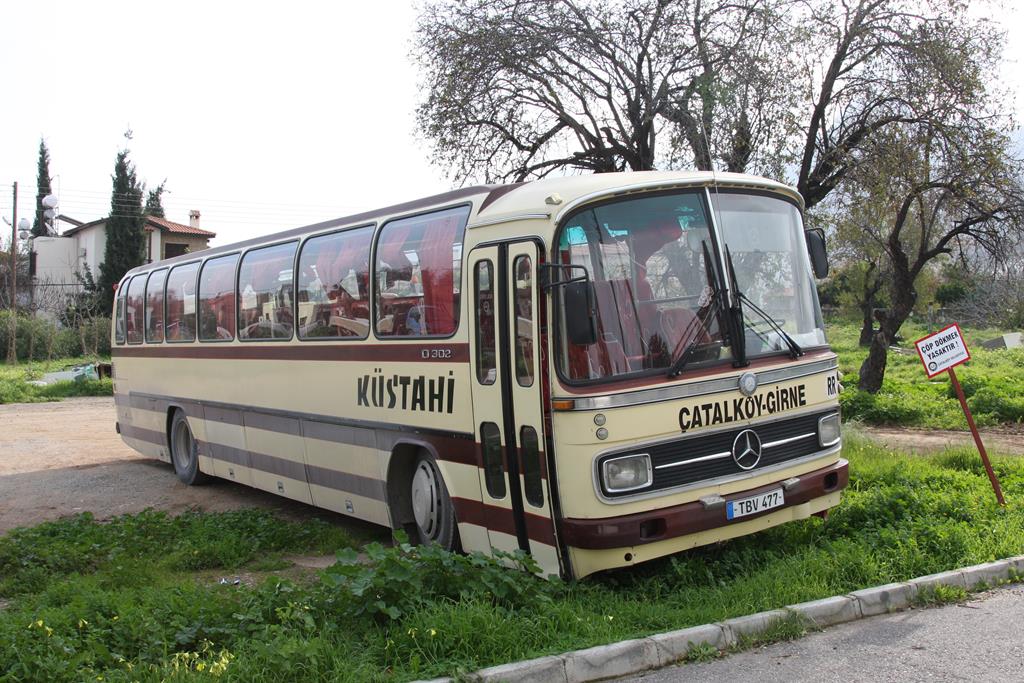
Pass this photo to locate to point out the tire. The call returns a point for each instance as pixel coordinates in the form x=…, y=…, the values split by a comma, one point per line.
x=432, y=507
x=185, y=451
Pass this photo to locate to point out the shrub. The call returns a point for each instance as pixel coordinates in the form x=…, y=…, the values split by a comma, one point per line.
x=40, y=339
x=391, y=582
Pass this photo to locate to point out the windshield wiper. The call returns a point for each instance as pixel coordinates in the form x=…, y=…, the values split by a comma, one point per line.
x=711, y=301
x=795, y=351
x=708, y=298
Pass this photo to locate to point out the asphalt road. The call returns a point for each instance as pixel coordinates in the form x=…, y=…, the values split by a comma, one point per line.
x=979, y=640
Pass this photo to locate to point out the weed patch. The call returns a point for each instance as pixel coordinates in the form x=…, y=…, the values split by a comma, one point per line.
x=932, y=596
x=15, y=387
x=122, y=601
x=129, y=550
x=790, y=627
x=993, y=383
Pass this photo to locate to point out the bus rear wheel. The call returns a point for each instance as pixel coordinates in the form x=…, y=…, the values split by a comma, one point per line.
x=432, y=506
x=185, y=451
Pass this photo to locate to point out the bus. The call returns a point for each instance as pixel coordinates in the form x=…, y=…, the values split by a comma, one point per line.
x=597, y=370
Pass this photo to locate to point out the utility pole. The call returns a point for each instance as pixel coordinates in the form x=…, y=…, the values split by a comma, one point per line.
x=12, y=346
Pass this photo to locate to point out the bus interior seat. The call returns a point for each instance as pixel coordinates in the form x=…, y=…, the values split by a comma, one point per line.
x=674, y=324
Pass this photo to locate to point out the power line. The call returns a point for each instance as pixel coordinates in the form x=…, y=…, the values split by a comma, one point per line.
x=174, y=197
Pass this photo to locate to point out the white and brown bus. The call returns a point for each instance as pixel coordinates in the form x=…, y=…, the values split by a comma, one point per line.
x=598, y=370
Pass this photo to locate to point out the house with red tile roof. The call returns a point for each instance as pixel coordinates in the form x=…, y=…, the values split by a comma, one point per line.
x=60, y=259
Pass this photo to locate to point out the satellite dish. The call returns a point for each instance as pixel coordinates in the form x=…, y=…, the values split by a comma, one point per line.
x=50, y=201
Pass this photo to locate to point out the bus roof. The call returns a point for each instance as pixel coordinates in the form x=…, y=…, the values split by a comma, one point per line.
x=549, y=196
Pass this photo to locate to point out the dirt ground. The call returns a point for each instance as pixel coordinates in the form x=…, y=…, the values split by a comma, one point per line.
x=63, y=458
x=1004, y=441
x=59, y=459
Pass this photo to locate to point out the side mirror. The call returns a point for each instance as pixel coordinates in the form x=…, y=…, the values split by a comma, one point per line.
x=816, y=250
x=578, y=300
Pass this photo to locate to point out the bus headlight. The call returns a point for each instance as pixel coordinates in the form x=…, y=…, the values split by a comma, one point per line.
x=828, y=430
x=626, y=473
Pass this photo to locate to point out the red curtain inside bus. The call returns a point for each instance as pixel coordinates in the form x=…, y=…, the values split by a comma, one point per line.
x=217, y=299
x=418, y=264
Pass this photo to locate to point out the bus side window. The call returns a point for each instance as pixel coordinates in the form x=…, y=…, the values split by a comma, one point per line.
x=264, y=290
x=483, y=280
x=180, y=325
x=134, y=309
x=530, y=449
x=119, y=313
x=494, y=472
x=333, y=285
x=217, y=299
x=155, y=307
x=419, y=269
x=523, y=270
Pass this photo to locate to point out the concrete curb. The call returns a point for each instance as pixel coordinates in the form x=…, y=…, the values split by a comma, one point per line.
x=653, y=652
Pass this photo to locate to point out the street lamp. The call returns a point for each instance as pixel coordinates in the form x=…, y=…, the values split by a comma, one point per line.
x=50, y=202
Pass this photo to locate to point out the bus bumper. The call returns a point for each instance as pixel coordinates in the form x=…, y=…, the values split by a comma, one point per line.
x=596, y=544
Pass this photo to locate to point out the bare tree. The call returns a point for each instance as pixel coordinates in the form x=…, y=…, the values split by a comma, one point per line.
x=888, y=64
x=943, y=188
x=515, y=89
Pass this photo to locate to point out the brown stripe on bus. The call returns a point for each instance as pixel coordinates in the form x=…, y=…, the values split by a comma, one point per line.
x=496, y=194
x=147, y=435
x=690, y=518
x=366, y=487
x=423, y=352
x=318, y=476
x=495, y=518
x=468, y=511
x=450, y=446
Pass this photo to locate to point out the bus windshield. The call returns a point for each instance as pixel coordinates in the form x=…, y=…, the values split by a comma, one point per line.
x=656, y=295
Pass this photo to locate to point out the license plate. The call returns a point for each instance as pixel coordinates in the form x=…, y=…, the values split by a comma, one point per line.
x=754, y=504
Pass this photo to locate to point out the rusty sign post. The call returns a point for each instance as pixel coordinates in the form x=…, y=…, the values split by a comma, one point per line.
x=942, y=352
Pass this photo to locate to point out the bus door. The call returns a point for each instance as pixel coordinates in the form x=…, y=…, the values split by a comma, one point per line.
x=508, y=400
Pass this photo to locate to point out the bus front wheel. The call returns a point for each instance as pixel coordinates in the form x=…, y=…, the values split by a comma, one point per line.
x=185, y=451
x=432, y=506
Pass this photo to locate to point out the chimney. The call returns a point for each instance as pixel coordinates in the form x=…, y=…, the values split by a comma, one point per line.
x=193, y=218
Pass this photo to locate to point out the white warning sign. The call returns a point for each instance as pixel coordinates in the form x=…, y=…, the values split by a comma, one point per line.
x=943, y=350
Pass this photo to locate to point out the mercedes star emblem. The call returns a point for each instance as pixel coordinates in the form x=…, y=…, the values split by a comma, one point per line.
x=748, y=383
x=746, y=449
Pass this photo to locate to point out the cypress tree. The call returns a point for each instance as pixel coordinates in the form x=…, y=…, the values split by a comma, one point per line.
x=126, y=237
x=39, y=226
x=154, y=204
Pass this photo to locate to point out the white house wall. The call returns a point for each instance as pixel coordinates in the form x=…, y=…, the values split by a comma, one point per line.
x=56, y=259
x=55, y=277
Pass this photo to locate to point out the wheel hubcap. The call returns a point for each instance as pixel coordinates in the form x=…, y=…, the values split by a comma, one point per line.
x=182, y=445
x=426, y=499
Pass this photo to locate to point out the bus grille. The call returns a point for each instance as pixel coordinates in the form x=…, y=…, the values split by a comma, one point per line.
x=696, y=447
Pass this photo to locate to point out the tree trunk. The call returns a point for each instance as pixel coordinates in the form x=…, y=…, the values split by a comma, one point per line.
x=872, y=283
x=867, y=327
x=872, y=371
x=12, y=340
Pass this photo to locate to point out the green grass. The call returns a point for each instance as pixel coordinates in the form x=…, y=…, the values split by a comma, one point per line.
x=14, y=386
x=993, y=382
x=121, y=600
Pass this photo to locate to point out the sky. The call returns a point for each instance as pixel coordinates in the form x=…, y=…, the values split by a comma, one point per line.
x=263, y=116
